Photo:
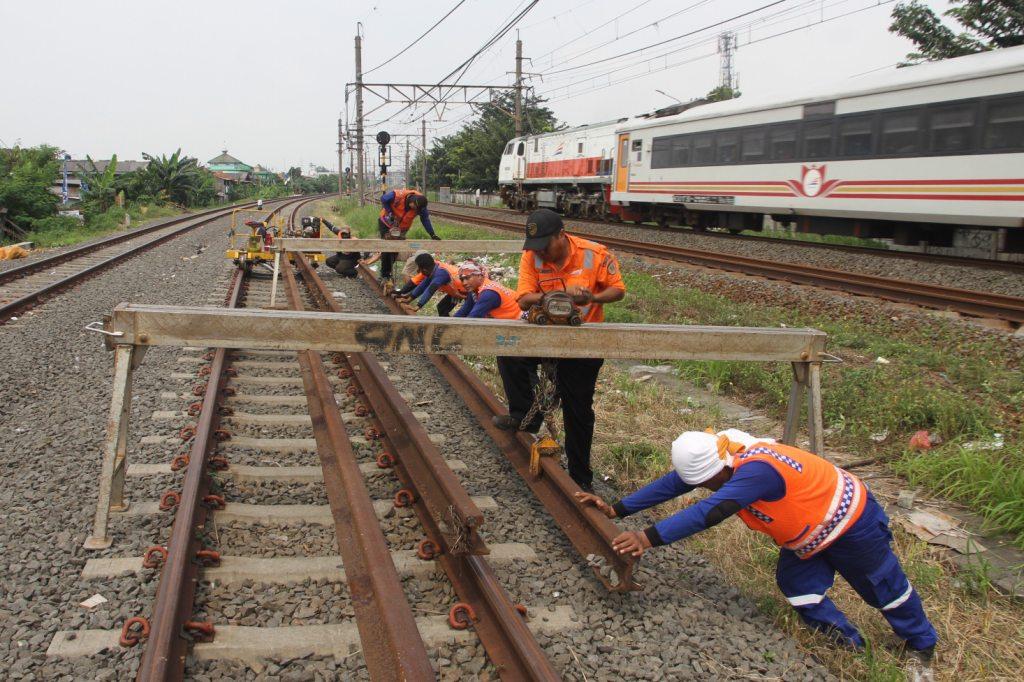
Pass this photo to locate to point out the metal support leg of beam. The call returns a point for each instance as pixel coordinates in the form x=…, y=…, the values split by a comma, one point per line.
x=796, y=399
x=815, y=420
x=115, y=445
x=273, y=282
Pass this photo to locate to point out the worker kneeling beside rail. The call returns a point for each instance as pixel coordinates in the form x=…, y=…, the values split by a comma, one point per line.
x=823, y=518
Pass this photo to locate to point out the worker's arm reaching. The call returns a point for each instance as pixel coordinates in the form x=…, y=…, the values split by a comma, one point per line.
x=429, y=286
x=486, y=301
x=427, y=225
x=387, y=200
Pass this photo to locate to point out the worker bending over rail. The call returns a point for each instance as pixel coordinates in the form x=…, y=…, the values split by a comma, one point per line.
x=589, y=272
x=823, y=518
x=485, y=297
x=434, y=276
x=399, y=207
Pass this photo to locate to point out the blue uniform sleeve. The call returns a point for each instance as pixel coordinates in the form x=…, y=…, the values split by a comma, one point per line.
x=660, y=490
x=438, y=278
x=466, y=306
x=420, y=288
x=755, y=481
x=425, y=219
x=387, y=199
x=485, y=303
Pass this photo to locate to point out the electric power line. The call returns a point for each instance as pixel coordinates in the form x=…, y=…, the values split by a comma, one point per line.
x=424, y=35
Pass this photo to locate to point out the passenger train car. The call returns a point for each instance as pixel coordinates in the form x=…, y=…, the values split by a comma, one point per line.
x=930, y=153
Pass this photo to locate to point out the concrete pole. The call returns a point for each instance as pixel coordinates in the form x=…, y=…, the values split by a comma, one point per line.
x=359, y=118
x=423, y=140
x=341, y=159
x=519, y=87
x=407, y=163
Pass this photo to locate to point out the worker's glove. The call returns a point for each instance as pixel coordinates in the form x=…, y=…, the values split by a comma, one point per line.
x=435, y=237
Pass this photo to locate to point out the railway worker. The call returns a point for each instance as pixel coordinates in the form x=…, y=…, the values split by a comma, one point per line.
x=399, y=207
x=343, y=262
x=436, y=276
x=485, y=297
x=589, y=272
x=823, y=518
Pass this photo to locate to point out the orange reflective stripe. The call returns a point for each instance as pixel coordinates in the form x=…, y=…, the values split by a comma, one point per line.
x=821, y=502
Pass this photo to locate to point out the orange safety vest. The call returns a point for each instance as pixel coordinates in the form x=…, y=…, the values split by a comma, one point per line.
x=508, y=309
x=455, y=287
x=821, y=502
x=589, y=264
x=403, y=216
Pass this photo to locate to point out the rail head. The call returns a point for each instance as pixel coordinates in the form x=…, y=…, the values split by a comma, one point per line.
x=160, y=325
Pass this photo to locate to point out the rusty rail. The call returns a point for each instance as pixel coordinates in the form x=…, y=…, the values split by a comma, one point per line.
x=448, y=515
x=968, y=302
x=589, y=531
x=164, y=656
x=392, y=646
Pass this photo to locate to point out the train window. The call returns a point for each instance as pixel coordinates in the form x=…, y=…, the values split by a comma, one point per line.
x=661, y=152
x=855, y=135
x=952, y=128
x=681, y=146
x=819, y=110
x=536, y=143
x=522, y=148
x=901, y=132
x=753, y=145
x=782, y=142
x=1004, y=124
x=508, y=149
x=624, y=153
x=728, y=143
x=818, y=140
x=703, y=148
x=579, y=147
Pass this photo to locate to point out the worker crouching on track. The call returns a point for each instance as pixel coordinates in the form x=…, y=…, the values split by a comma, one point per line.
x=399, y=208
x=343, y=262
x=823, y=518
x=589, y=272
x=434, y=276
x=485, y=297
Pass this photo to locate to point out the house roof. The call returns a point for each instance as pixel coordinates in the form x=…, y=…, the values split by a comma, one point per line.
x=78, y=165
x=226, y=158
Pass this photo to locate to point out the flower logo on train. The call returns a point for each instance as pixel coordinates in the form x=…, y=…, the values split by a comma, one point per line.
x=812, y=182
x=559, y=149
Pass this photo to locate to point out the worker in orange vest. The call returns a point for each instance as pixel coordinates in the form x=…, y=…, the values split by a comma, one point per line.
x=485, y=297
x=434, y=276
x=589, y=272
x=823, y=519
x=399, y=207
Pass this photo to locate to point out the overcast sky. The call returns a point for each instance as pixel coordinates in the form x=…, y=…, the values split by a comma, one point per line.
x=266, y=79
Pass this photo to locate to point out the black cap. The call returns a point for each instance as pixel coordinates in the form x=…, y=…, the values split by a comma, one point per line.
x=541, y=226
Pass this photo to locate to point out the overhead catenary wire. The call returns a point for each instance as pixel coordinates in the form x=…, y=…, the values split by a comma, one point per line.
x=421, y=37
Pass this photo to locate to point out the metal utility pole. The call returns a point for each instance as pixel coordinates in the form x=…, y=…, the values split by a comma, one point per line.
x=407, y=163
x=423, y=170
x=519, y=88
x=359, y=115
x=341, y=158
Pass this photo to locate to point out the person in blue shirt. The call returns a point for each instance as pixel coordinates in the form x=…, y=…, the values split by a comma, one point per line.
x=435, y=276
x=399, y=208
x=485, y=297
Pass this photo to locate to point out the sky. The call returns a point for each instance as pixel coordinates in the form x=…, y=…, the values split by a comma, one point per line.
x=266, y=80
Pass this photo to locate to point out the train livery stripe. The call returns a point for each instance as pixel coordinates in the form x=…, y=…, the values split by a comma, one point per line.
x=974, y=189
x=586, y=166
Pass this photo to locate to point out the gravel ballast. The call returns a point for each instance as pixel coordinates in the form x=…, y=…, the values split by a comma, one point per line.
x=688, y=624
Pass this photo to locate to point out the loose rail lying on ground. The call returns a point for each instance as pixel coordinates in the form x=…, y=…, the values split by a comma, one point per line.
x=978, y=303
x=396, y=245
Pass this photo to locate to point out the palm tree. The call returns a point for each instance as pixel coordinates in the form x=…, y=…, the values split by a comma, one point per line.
x=99, y=188
x=175, y=178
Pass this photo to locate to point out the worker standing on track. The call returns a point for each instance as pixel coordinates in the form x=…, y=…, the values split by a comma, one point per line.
x=485, y=297
x=823, y=518
x=589, y=272
x=436, y=276
x=399, y=207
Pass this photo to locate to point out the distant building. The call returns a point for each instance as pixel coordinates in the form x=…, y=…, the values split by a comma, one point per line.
x=317, y=171
x=75, y=168
x=225, y=163
x=264, y=175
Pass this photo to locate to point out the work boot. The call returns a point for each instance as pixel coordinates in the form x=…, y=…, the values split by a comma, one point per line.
x=505, y=422
x=919, y=665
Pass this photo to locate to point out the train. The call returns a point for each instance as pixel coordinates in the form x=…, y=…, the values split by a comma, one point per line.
x=931, y=154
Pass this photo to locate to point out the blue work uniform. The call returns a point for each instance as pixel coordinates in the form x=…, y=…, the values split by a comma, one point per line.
x=478, y=304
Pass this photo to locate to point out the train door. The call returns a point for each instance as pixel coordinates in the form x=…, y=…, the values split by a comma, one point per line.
x=622, y=164
x=519, y=163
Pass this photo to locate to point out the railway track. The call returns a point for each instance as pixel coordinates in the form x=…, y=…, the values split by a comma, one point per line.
x=28, y=285
x=967, y=302
x=986, y=263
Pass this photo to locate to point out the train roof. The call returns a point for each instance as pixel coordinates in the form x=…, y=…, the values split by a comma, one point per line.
x=573, y=129
x=992, y=63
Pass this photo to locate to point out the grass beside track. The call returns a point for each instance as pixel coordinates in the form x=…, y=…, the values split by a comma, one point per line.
x=102, y=225
x=939, y=376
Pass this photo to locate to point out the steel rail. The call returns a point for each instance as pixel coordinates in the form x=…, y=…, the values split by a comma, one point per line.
x=500, y=626
x=988, y=263
x=11, y=308
x=392, y=646
x=976, y=303
x=164, y=655
x=589, y=531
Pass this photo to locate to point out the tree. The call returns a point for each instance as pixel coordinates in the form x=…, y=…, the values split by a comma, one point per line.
x=469, y=158
x=175, y=178
x=99, y=188
x=722, y=93
x=990, y=24
x=26, y=176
